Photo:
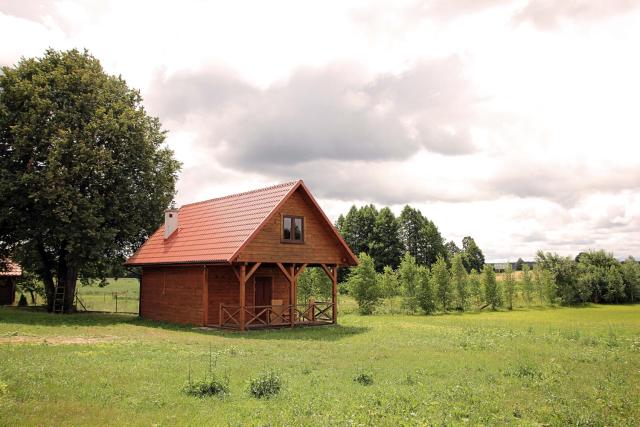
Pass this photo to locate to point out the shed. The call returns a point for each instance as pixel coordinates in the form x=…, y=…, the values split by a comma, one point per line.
x=233, y=261
x=10, y=272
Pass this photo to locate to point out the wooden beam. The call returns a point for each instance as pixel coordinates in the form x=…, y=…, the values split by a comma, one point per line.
x=292, y=294
x=205, y=295
x=243, y=282
x=253, y=270
x=233, y=268
x=334, y=293
x=300, y=270
x=284, y=271
x=327, y=270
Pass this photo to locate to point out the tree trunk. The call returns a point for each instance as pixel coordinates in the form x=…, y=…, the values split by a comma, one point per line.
x=47, y=277
x=70, y=290
x=67, y=277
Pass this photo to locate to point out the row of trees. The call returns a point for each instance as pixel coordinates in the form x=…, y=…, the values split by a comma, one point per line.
x=385, y=238
x=445, y=287
x=594, y=276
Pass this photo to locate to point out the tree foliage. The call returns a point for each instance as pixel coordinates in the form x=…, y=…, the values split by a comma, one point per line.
x=475, y=288
x=631, y=276
x=527, y=284
x=84, y=175
x=459, y=282
x=509, y=286
x=363, y=284
x=313, y=283
x=408, y=277
x=385, y=245
x=491, y=289
x=426, y=299
x=441, y=283
x=388, y=283
x=472, y=255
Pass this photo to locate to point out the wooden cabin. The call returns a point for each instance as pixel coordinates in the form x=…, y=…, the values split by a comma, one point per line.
x=10, y=272
x=233, y=262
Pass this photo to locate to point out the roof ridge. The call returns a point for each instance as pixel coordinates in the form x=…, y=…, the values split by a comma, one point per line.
x=284, y=184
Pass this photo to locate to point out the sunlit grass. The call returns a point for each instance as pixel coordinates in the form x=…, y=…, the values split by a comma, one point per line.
x=554, y=366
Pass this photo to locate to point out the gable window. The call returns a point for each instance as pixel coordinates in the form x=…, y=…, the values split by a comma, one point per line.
x=292, y=229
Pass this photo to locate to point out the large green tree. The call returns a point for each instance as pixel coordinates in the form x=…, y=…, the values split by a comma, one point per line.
x=385, y=245
x=357, y=227
x=432, y=244
x=84, y=174
x=411, y=222
x=472, y=255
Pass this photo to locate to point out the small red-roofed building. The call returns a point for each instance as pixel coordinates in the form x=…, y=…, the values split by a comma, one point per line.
x=233, y=261
x=10, y=272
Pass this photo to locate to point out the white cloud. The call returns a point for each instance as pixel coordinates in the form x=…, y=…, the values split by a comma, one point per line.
x=511, y=121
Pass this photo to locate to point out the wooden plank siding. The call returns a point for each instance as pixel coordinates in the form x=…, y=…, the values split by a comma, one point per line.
x=172, y=294
x=320, y=244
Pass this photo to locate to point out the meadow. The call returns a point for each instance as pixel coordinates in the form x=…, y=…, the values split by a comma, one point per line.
x=545, y=365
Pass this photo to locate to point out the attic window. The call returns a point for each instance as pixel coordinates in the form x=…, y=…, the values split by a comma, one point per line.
x=292, y=229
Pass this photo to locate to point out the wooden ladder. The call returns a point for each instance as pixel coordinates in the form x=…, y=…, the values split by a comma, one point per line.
x=58, y=300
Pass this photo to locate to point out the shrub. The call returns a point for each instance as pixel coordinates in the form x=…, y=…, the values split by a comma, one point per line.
x=364, y=378
x=22, y=302
x=265, y=385
x=208, y=387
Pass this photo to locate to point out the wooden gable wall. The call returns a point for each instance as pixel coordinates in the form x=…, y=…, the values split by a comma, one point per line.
x=320, y=243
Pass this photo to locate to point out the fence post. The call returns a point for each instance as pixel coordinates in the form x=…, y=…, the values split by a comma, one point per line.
x=116, y=302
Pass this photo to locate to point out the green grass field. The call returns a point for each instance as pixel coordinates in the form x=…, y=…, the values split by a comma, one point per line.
x=539, y=366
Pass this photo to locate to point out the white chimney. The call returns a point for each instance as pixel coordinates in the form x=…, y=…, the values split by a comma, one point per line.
x=170, y=222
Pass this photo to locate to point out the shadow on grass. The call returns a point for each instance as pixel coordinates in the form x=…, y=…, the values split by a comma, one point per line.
x=39, y=317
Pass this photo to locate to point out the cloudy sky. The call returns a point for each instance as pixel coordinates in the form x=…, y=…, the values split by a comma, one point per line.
x=516, y=122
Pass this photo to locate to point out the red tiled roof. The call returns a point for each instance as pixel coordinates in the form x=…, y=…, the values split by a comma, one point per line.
x=213, y=230
x=11, y=269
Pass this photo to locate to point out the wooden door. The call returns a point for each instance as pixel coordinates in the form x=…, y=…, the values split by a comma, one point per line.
x=263, y=293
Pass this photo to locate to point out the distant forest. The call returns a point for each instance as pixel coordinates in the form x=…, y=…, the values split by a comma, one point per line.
x=386, y=238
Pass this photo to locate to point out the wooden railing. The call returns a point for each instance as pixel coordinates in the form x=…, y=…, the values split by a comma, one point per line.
x=263, y=316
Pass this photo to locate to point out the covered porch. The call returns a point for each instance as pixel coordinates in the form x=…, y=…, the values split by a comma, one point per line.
x=264, y=309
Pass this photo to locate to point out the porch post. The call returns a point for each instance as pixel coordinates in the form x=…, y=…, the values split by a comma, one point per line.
x=292, y=294
x=334, y=293
x=243, y=281
x=205, y=295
